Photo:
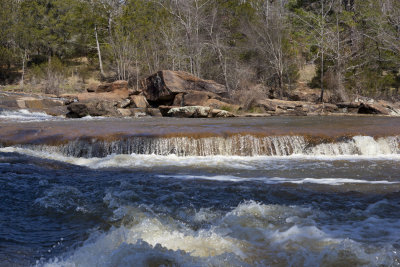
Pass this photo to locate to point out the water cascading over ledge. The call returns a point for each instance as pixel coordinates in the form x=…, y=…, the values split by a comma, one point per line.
x=235, y=145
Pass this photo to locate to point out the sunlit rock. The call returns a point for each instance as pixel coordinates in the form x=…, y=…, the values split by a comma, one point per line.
x=190, y=112
x=162, y=87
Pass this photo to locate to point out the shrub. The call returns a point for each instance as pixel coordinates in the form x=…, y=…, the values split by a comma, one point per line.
x=51, y=75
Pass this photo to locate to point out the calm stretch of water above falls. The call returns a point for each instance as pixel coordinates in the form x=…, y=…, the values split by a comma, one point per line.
x=207, y=201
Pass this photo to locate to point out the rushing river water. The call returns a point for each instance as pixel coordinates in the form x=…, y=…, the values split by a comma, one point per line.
x=171, y=192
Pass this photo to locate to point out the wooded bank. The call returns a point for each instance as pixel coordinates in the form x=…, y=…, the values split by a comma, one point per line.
x=256, y=48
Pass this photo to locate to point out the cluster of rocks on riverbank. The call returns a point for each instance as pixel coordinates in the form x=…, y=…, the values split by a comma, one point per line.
x=166, y=93
x=180, y=94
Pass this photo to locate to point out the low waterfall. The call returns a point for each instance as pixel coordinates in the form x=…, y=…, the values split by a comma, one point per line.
x=359, y=145
x=236, y=145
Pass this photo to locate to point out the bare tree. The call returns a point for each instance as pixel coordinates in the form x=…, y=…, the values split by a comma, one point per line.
x=125, y=52
x=217, y=37
x=93, y=8
x=105, y=10
x=317, y=31
x=190, y=15
x=270, y=34
x=173, y=42
x=388, y=26
x=98, y=50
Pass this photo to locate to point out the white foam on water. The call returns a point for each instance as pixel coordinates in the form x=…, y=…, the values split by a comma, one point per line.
x=91, y=118
x=238, y=149
x=337, y=181
x=279, y=180
x=251, y=234
x=369, y=146
x=241, y=146
x=111, y=250
x=371, y=223
x=135, y=161
x=24, y=115
x=151, y=240
x=359, y=145
x=62, y=199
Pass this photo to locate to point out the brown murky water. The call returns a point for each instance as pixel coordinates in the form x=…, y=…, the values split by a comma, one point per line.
x=112, y=128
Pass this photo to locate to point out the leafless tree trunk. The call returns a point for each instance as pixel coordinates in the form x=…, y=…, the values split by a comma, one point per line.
x=24, y=57
x=99, y=51
x=218, y=47
x=322, y=47
x=270, y=35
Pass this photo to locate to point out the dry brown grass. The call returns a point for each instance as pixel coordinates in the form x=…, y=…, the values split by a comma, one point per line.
x=307, y=73
x=248, y=97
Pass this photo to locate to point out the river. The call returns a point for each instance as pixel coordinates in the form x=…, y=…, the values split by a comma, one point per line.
x=279, y=191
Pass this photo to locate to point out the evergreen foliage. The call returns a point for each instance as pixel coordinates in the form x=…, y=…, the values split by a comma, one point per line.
x=354, y=44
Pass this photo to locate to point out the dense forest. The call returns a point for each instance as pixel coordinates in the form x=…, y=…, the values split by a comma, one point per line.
x=251, y=46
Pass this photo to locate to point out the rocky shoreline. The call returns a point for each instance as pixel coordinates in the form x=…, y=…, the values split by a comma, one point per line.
x=179, y=94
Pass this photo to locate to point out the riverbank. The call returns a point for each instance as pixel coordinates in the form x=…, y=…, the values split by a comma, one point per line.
x=179, y=94
x=59, y=106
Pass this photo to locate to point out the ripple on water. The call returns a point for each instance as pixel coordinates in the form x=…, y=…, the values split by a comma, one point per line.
x=184, y=210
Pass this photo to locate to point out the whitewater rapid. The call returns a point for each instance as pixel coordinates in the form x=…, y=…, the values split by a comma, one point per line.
x=154, y=210
x=236, y=145
x=160, y=193
x=382, y=150
x=251, y=234
x=24, y=115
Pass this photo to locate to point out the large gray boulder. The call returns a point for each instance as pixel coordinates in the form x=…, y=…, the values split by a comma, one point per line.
x=93, y=108
x=375, y=108
x=162, y=87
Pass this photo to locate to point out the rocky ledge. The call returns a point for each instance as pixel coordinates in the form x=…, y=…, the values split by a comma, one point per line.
x=180, y=94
